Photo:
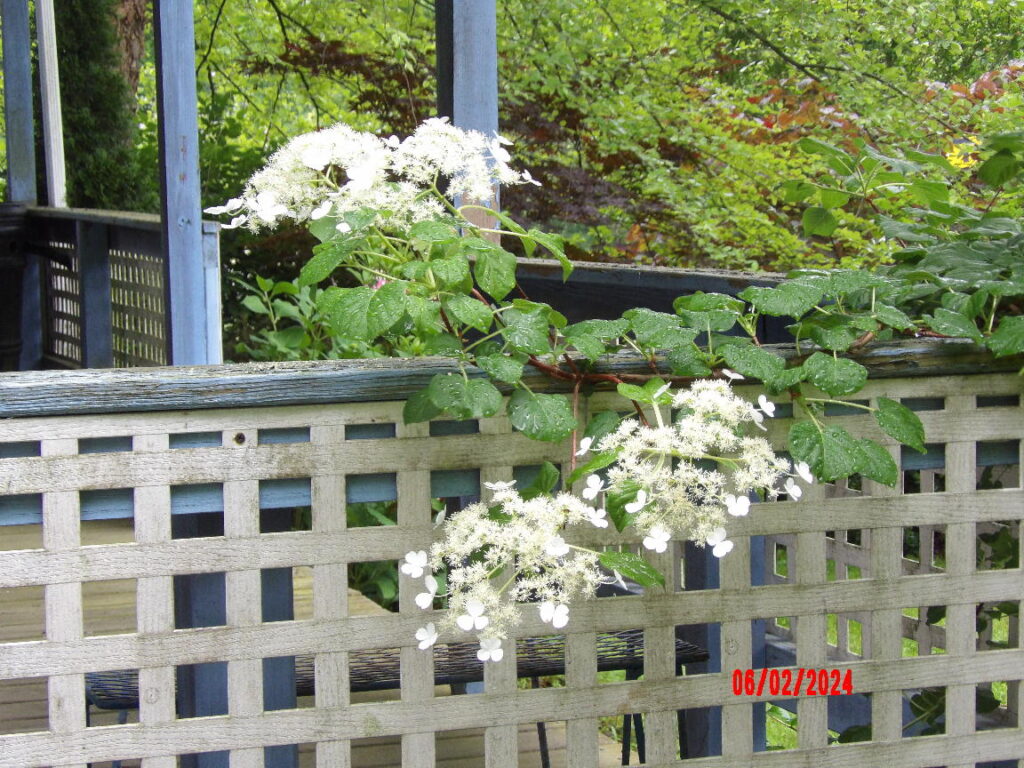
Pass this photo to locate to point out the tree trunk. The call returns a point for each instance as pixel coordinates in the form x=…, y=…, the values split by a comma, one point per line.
x=130, y=21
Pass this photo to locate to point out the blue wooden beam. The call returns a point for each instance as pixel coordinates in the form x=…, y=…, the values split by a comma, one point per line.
x=20, y=123
x=181, y=208
x=97, y=317
x=467, y=63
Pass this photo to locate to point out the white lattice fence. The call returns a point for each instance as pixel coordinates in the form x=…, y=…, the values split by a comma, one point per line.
x=238, y=456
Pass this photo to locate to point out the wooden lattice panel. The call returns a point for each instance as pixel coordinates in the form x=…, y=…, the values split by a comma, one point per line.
x=138, y=308
x=63, y=309
x=161, y=466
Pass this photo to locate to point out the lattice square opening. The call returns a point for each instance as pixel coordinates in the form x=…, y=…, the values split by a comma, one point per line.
x=285, y=680
x=700, y=732
x=108, y=607
x=112, y=697
x=23, y=705
x=924, y=712
x=849, y=718
x=700, y=637
x=846, y=636
x=998, y=464
x=924, y=473
x=991, y=705
x=996, y=625
x=369, y=431
x=377, y=581
x=924, y=549
x=202, y=689
x=27, y=507
x=781, y=723
x=370, y=500
x=924, y=630
x=445, y=428
x=280, y=435
x=23, y=613
x=998, y=545
x=780, y=560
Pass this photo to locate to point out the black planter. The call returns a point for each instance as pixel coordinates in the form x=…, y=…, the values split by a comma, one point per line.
x=12, y=270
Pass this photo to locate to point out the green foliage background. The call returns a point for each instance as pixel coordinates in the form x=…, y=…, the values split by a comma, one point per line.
x=661, y=130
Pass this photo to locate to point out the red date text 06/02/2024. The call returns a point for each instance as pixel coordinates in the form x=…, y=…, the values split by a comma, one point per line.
x=792, y=682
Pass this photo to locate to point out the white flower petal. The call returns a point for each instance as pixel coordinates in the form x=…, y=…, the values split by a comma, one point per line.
x=321, y=210
x=501, y=485
x=424, y=600
x=427, y=636
x=766, y=405
x=732, y=374
x=718, y=535
x=465, y=622
x=560, y=617
x=804, y=471
x=344, y=227
x=793, y=490
x=585, y=444
x=547, y=611
x=639, y=503
x=738, y=506
x=722, y=548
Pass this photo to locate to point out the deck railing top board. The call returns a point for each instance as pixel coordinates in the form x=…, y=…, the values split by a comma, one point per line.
x=55, y=393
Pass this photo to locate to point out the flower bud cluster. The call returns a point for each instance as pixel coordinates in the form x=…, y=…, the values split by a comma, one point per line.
x=690, y=472
x=338, y=170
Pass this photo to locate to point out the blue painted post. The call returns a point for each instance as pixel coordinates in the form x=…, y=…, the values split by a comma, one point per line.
x=181, y=207
x=94, y=271
x=18, y=115
x=467, y=68
x=19, y=125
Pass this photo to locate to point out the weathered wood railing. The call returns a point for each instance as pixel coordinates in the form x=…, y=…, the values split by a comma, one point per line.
x=220, y=446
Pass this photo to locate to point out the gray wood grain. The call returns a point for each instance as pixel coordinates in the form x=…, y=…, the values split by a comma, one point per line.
x=60, y=393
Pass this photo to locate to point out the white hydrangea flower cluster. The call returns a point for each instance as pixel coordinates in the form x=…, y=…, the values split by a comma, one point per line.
x=505, y=552
x=689, y=473
x=338, y=169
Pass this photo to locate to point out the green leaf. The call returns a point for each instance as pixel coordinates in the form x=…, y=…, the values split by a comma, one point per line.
x=501, y=367
x=707, y=302
x=831, y=452
x=834, y=332
x=615, y=501
x=761, y=364
x=544, y=483
x=601, y=424
x=597, y=462
x=495, y=272
x=835, y=375
x=657, y=329
x=425, y=314
x=843, y=281
x=687, y=360
x=789, y=299
x=819, y=221
x=928, y=192
x=526, y=331
x=893, y=317
x=553, y=243
x=877, y=463
x=387, y=307
x=796, y=191
x=462, y=398
x=648, y=393
x=325, y=228
x=255, y=304
x=838, y=160
x=471, y=312
x=999, y=168
x=326, y=258
x=632, y=392
x=632, y=567
x=1008, y=338
x=900, y=423
x=452, y=273
x=833, y=198
x=432, y=231
x=541, y=417
x=419, y=407
x=950, y=323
